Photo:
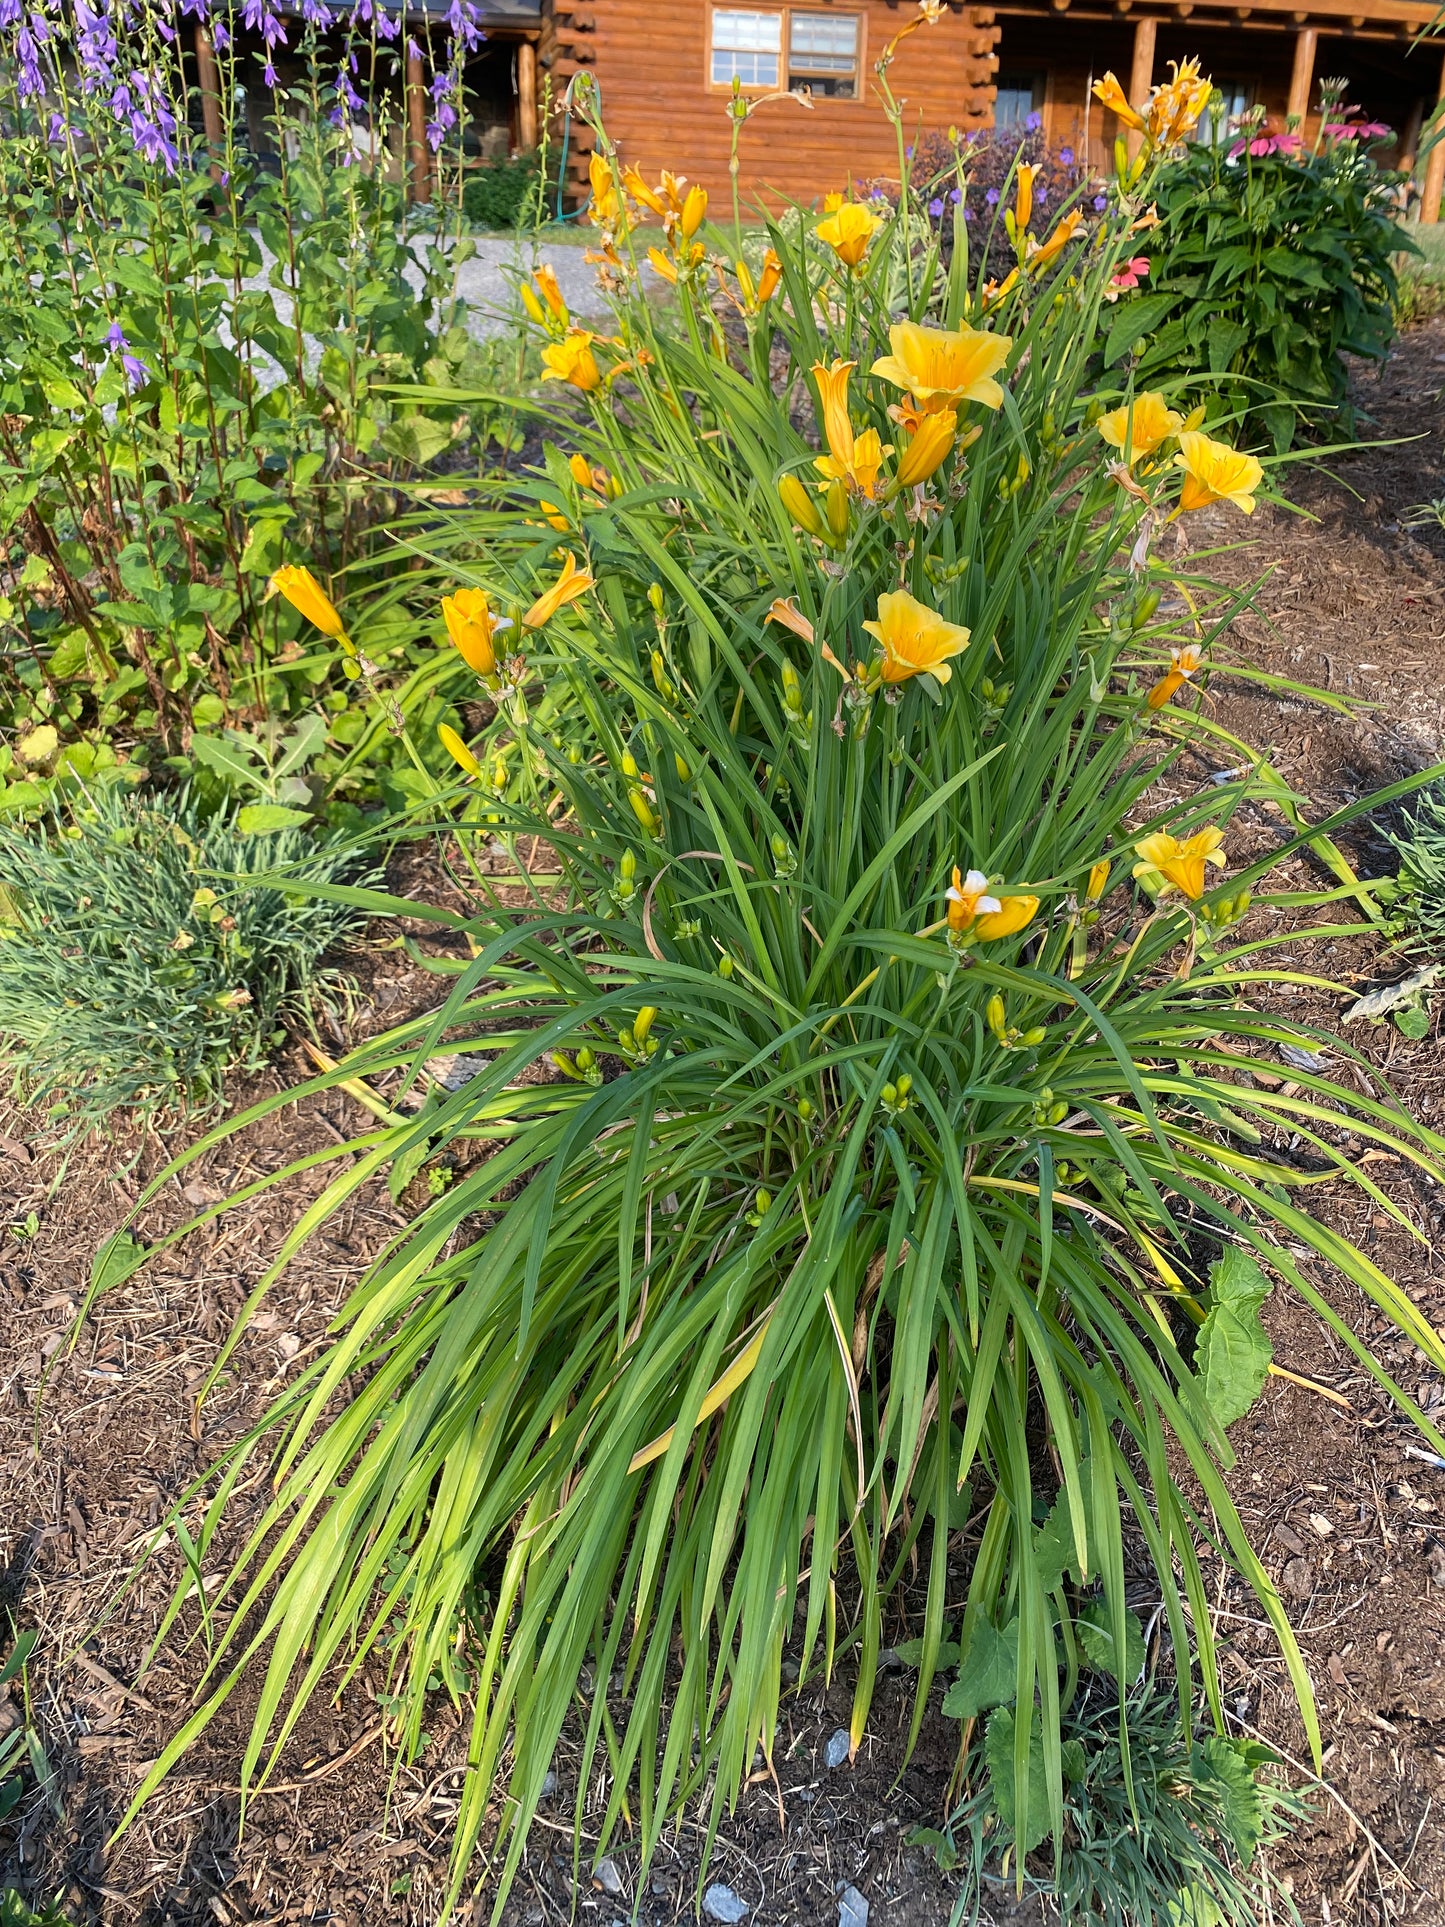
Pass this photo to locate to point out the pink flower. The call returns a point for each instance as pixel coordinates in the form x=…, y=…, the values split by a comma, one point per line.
x=1263, y=145
x=1358, y=130
x=1129, y=276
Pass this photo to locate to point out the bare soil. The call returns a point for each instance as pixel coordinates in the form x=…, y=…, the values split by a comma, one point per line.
x=1350, y=1520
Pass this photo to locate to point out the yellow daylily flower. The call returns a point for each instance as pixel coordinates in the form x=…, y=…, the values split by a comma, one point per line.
x=305, y=594
x=772, y=274
x=640, y=191
x=1112, y=95
x=915, y=638
x=943, y=367
x=1215, y=472
x=1181, y=864
x=849, y=232
x=929, y=448
x=661, y=265
x=572, y=360
x=1138, y=429
x=832, y=202
x=572, y=583
x=605, y=208
x=457, y=749
x=833, y=400
x=1023, y=196
x=966, y=897
x=553, y=515
x=472, y=628
x=1184, y=663
x=785, y=611
x=1012, y=914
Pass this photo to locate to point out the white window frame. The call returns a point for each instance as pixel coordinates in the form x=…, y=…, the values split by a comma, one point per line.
x=785, y=14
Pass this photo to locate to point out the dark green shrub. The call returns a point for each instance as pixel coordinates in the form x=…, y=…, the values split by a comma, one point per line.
x=1270, y=264
x=139, y=960
x=501, y=193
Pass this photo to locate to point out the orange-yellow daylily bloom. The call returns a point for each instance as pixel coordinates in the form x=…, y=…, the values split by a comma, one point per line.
x=1137, y=429
x=1181, y=865
x=785, y=611
x=929, y=448
x=915, y=638
x=848, y=232
x=1184, y=663
x=1023, y=209
x=944, y=367
x=860, y=469
x=571, y=360
x=694, y=211
x=457, y=749
x=1215, y=472
x=640, y=191
x=546, y=280
x=1041, y=253
x=772, y=274
x=605, y=208
x=572, y=583
x=1176, y=105
x=305, y=593
x=662, y=265
x=833, y=400
x=1116, y=100
x=472, y=628
x=973, y=911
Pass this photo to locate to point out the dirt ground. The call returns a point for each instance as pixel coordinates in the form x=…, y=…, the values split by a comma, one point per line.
x=1351, y=1520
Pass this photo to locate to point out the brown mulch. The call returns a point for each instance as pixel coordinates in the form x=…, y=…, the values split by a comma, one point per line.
x=1349, y=1522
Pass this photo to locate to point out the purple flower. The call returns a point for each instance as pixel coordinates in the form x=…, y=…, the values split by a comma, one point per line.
x=1034, y=122
x=1066, y=156
x=268, y=74
x=1041, y=195
x=935, y=207
x=115, y=339
x=462, y=19
x=316, y=13
x=220, y=36
x=955, y=195
x=1100, y=203
x=992, y=197
x=968, y=214
x=444, y=115
x=909, y=152
x=57, y=130
x=136, y=372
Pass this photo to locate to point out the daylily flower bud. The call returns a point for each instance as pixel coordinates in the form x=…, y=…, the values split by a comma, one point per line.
x=644, y=812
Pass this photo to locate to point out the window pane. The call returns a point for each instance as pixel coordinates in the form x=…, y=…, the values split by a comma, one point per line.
x=834, y=34
x=753, y=70
x=1014, y=100
x=823, y=53
x=737, y=32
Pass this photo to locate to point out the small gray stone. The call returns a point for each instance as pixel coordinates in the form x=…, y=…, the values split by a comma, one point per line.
x=608, y=1877
x=721, y=1903
x=852, y=1909
x=889, y=1662
x=1298, y=1580
x=549, y=1784
x=837, y=1748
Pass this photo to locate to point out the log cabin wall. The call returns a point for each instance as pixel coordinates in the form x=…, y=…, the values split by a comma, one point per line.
x=654, y=62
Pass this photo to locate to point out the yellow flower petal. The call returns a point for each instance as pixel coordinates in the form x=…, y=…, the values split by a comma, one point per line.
x=305, y=594
x=915, y=638
x=942, y=367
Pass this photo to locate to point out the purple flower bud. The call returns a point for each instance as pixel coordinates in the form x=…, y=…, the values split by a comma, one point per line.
x=1100, y=203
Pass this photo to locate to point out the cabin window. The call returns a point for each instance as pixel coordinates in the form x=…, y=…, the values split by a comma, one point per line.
x=823, y=53
x=795, y=47
x=1229, y=100
x=747, y=47
x=1016, y=98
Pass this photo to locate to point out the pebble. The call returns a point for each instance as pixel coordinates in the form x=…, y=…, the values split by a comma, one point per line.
x=1289, y=1539
x=836, y=1750
x=1298, y=1579
x=607, y=1876
x=852, y=1909
x=549, y=1784
x=721, y=1903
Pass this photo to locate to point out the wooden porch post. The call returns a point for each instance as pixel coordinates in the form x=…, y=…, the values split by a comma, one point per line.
x=1141, y=70
x=419, y=156
x=1434, y=170
x=1303, y=73
x=210, y=79
x=527, y=95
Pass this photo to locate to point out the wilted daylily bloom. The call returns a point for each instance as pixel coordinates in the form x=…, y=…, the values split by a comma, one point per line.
x=914, y=638
x=943, y=367
x=928, y=449
x=849, y=232
x=457, y=749
x=1138, y=428
x=974, y=913
x=472, y=628
x=572, y=583
x=305, y=594
x=1215, y=472
x=860, y=469
x=571, y=360
x=1184, y=663
x=785, y=611
x=1181, y=865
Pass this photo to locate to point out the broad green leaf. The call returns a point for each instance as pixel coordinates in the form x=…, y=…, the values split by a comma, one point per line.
x=1233, y=1350
x=117, y=1258
x=264, y=819
x=1096, y=1636
x=1032, y=1826
x=988, y=1674
x=1236, y=1776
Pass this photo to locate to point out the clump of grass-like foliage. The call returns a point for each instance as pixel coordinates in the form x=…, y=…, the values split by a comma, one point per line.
x=139, y=957
x=1419, y=906
x=809, y=1192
